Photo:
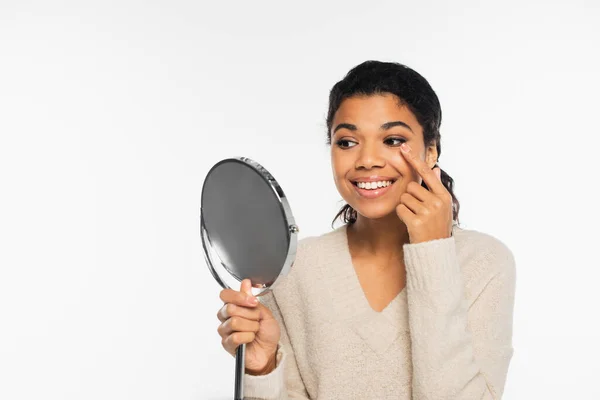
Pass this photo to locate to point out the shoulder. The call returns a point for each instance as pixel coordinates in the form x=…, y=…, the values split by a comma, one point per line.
x=317, y=248
x=481, y=253
x=312, y=254
x=308, y=276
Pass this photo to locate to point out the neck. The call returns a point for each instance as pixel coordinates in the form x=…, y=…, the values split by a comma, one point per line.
x=382, y=237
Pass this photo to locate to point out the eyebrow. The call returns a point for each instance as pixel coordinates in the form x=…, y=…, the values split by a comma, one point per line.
x=386, y=126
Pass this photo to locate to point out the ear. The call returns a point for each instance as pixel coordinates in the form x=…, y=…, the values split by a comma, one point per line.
x=431, y=155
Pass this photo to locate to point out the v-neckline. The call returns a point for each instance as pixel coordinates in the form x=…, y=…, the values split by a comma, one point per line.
x=378, y=328
x=356, y=279
x=351, y=263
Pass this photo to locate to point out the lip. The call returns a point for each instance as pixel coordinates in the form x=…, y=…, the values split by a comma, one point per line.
x=373, y=193
x=374, y=178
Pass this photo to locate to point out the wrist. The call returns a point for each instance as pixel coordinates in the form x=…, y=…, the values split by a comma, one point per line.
x=267, y=369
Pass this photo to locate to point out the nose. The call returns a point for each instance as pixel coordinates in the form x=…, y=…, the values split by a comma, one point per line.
x=369, y=157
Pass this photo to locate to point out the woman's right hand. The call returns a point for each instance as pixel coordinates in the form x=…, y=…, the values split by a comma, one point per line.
x=243, y=321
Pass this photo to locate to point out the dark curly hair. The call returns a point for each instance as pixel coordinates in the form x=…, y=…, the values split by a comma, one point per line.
x=376, y=77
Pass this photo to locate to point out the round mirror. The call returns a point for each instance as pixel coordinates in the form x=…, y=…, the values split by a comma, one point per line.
x=247, y=230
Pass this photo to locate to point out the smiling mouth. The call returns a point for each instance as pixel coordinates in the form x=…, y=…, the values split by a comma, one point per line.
x=373, y=185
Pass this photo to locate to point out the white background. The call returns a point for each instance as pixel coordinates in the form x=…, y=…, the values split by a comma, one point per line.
x=111, y=113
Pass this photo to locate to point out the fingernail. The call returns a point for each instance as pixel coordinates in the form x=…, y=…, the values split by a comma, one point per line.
x=405, y=147
x=253, y=300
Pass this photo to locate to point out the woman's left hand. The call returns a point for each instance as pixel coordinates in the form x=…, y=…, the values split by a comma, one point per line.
x=426, y=213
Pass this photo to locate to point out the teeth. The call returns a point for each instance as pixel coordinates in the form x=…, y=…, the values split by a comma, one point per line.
x=373, y=185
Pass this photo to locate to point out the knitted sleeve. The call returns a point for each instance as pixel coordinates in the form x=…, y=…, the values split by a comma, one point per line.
x=284, y=382
x=461, y=348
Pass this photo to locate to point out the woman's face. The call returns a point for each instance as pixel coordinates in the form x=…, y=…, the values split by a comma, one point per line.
x=369, y=171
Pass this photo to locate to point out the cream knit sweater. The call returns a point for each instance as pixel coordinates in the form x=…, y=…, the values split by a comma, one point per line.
x=447, y=335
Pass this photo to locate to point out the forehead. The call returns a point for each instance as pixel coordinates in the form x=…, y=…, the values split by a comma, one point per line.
x=367, y=112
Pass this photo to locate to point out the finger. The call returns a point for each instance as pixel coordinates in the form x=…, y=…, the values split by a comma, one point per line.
x=246, y=286
x=238, y=298
x=231, y=342
x=420, y=192
x=438, y=173
x=415, y=205
x=230, y=310
x=405, y=214
x=237, y=324
x=429, y=177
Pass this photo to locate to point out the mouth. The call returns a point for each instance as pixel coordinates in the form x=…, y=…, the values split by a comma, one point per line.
x=373, y=189
x=373, y=185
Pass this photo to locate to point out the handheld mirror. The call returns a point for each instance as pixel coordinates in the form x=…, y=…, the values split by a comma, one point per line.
x=247, y=230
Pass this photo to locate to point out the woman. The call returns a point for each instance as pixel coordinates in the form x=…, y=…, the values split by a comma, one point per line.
x=398, y=303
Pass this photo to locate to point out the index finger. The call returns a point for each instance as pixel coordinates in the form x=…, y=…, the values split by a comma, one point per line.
x=428, y=175
x=237, y=298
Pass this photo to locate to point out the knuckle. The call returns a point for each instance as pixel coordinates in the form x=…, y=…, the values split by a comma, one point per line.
x=235, y=323
x=229, y=309
x=234, y=339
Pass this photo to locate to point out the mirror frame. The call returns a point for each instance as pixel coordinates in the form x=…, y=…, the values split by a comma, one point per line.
x=210, y=255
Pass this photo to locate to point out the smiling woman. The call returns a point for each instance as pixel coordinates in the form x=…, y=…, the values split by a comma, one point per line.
x=400, y=93
x=399, y=302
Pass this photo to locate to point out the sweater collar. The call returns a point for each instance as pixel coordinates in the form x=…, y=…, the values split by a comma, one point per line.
x=378, y=329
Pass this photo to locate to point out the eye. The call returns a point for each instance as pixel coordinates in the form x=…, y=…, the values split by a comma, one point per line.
x=394, y=141
x=345, y=143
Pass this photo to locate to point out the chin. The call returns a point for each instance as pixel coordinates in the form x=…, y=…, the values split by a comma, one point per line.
x=375, y=213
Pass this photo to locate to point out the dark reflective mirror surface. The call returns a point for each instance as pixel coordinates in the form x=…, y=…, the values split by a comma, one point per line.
x=245, y=222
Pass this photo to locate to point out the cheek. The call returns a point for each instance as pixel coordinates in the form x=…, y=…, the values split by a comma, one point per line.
x=339, y=164
x=400, y=164
x=398, y=161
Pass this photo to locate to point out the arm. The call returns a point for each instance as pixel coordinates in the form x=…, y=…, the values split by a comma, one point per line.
x=459, y=350
x=284, y=382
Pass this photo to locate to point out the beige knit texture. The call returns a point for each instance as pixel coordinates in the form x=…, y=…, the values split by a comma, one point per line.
x=447, y=335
